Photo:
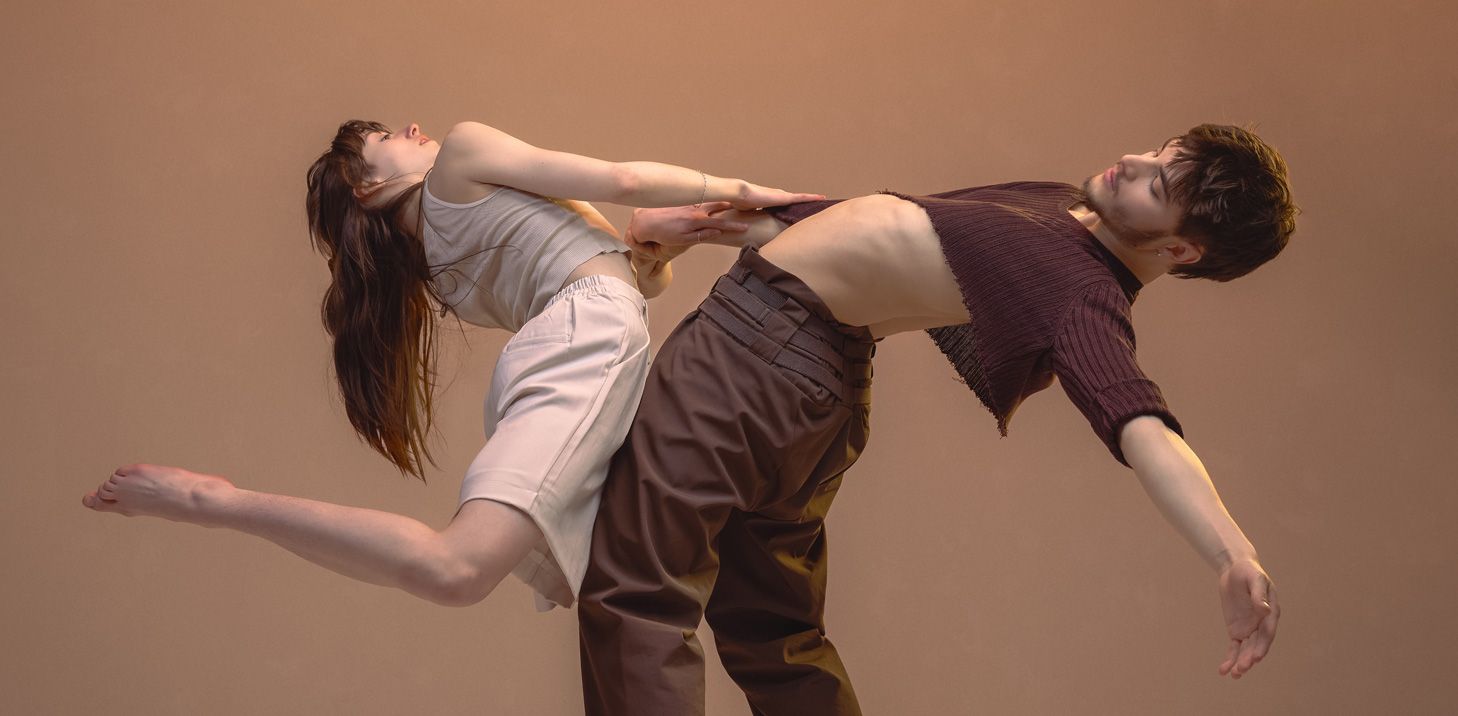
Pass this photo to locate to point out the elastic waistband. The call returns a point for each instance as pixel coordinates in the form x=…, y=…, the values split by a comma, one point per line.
x=780, y=320
x=599, y=284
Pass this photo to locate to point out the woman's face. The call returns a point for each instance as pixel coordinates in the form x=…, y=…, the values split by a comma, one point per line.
x=399, y=153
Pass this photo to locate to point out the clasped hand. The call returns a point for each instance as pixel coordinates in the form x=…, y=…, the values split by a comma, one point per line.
x=665, y=233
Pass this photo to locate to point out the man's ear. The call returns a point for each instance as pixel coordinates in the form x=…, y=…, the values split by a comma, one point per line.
x=1182, y=250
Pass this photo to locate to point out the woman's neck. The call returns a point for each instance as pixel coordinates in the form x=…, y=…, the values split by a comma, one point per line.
x=409, y=217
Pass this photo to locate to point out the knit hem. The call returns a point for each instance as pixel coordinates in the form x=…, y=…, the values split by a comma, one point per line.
x=959, y=343
x=970, y=373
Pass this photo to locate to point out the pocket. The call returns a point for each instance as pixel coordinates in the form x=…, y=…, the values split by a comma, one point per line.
x=519, y=341
x=553, y=325
x=811, y=389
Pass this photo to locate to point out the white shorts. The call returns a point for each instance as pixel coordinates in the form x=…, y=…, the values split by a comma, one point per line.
x=563, y=395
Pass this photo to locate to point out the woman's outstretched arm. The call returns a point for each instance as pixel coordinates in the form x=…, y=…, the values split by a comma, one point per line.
x=456, y=566
x=1176, y=481
x=491, y=156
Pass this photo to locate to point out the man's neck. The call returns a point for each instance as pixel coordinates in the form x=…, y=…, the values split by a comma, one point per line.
x=1142, y=262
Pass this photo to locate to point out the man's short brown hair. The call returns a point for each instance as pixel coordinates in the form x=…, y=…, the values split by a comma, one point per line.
x=1237, y=200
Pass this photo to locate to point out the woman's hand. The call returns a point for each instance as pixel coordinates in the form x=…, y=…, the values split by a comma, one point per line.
x=1248, y=599
x=666, y=233
x=754, y=196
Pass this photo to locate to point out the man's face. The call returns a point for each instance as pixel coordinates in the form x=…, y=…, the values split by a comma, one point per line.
x=1132, y=197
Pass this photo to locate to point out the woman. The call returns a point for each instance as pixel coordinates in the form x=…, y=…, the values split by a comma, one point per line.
x=413, y=229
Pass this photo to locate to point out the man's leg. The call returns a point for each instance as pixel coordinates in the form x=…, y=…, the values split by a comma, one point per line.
x=768, y=611
x=707, y=439
x=728, y=404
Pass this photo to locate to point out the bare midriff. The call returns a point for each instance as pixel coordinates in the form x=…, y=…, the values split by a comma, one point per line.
x=613, y=264
x=875, y=261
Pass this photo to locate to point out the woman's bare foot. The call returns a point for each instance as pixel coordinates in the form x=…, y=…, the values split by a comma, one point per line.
x=159, y=491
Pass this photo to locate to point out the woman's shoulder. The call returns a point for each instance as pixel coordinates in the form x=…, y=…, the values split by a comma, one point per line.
x=451, y=188
x=450, y=178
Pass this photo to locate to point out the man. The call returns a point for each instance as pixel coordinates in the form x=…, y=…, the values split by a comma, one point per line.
x=759, y=401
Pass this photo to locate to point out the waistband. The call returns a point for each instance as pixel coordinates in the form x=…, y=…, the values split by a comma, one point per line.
x=779, y=319
x=750, y=262
x=599, y=284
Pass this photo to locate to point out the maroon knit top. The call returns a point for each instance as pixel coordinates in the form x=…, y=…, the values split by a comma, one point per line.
x=1045, y=298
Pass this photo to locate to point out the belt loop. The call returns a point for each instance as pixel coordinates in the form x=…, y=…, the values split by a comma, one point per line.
x=858, y=379
x=792, y=310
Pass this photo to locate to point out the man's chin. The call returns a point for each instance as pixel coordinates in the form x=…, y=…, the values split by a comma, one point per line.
x=1090, y=200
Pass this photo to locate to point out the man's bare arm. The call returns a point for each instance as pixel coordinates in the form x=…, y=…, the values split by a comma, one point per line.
x=763, y=227
x=1176, y=481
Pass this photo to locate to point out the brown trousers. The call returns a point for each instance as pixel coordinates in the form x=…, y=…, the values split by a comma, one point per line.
x=715, y=506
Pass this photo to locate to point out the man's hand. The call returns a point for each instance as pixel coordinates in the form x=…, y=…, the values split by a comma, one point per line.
x=1248, y=599
x=665, y=233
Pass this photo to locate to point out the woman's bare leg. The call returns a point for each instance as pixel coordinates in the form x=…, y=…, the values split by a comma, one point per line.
x=457, y=566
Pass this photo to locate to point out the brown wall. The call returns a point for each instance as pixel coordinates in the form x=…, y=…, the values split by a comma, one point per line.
x=160, y=300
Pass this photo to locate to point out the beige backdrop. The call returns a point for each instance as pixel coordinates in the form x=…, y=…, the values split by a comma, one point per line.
x=160, y=302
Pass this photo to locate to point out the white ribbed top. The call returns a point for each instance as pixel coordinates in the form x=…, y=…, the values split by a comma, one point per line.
x=498, y=260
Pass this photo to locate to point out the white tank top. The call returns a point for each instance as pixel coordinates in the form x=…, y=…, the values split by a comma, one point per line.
x=498, y=260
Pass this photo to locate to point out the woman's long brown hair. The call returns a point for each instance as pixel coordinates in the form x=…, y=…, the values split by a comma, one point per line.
x=379, y=307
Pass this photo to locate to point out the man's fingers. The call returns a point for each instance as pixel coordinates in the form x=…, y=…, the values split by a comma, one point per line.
x=1258, y=594
x=1241, y=664
x=1247, y=655
x=1259, y=647
x=1267, y=632
x=1264, y=634
x=1230, y=653
x=1250, y=655
x=1254, y=649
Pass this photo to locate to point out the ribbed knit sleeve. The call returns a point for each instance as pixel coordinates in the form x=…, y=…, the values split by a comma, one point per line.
x=1093, y=357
